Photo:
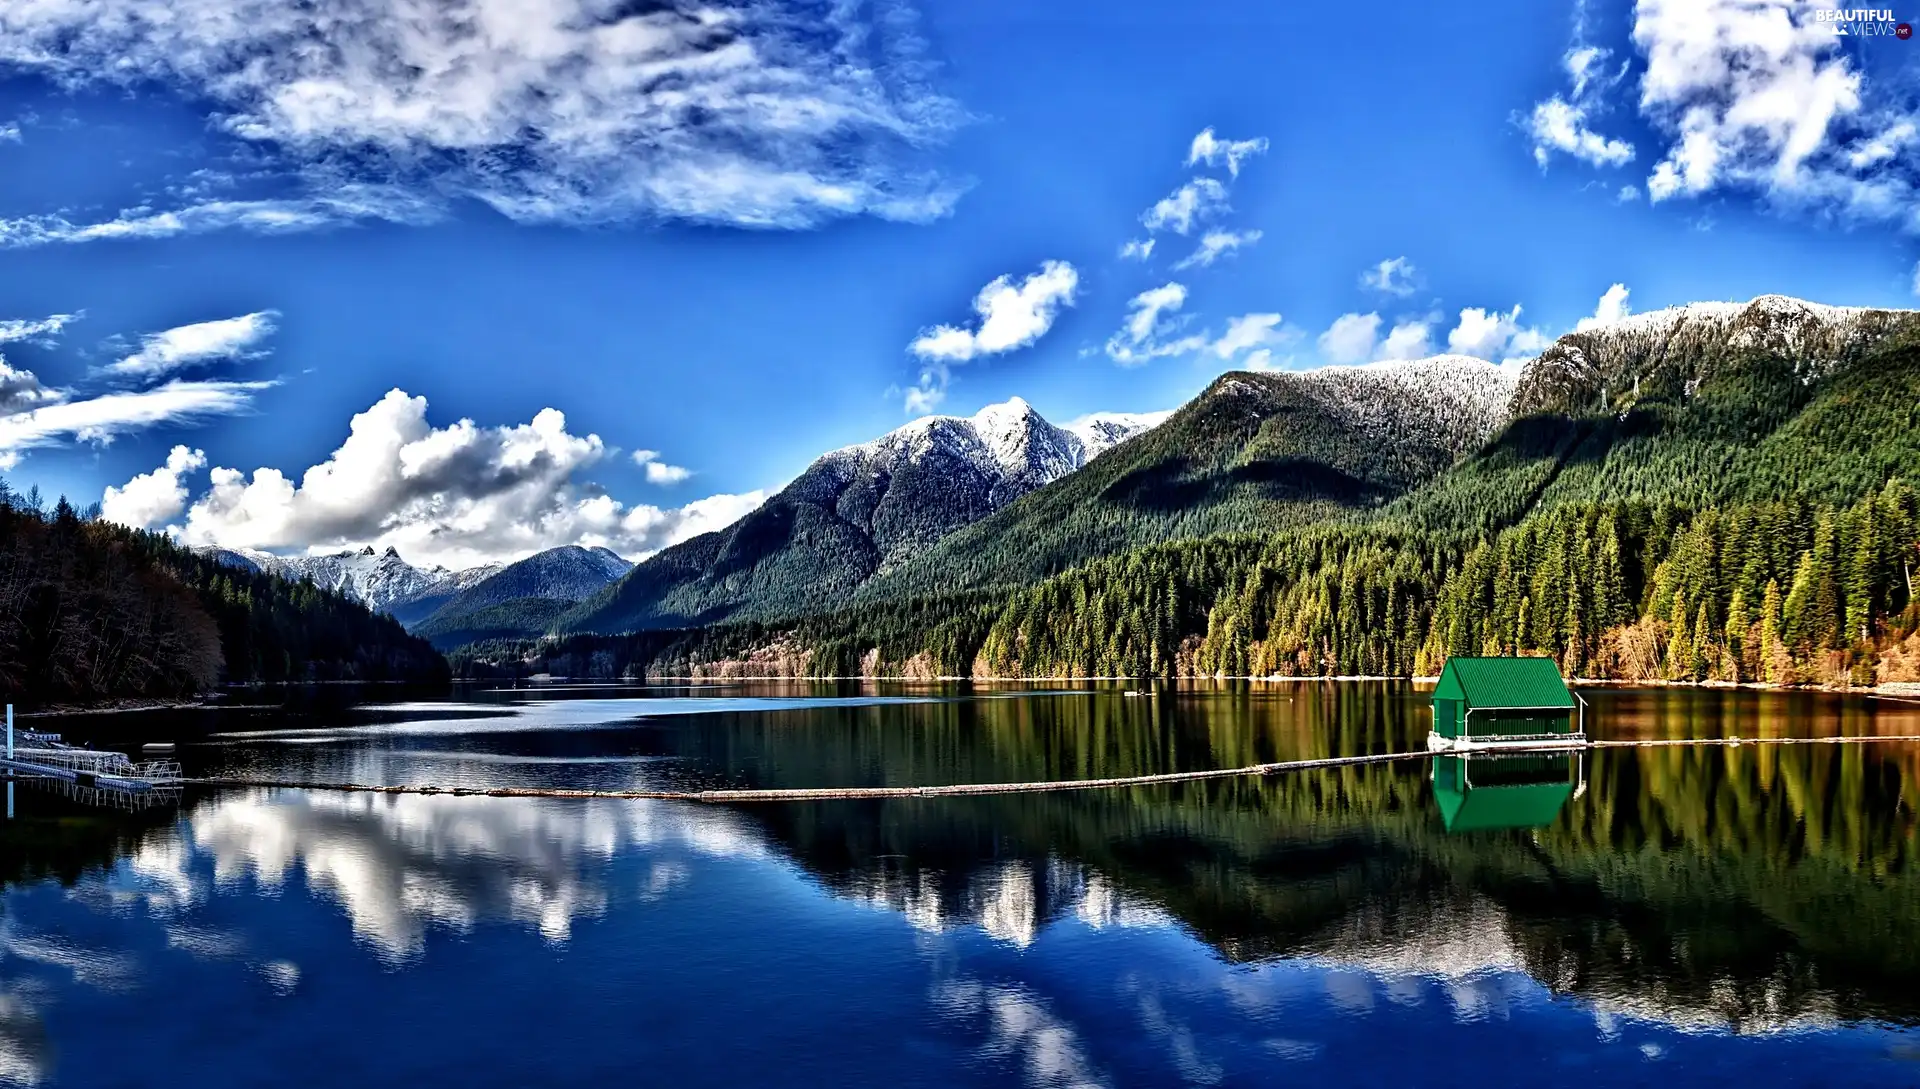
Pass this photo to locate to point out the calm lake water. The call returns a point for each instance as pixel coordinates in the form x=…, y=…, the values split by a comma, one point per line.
x=1688, y=916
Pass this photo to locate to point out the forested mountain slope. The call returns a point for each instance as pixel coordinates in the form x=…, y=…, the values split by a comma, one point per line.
x=1255, y=451
x=525, y=597
x=852, y=513
x=90, y=611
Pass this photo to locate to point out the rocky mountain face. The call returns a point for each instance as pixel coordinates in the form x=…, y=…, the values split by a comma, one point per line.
x=1782, y=343
x=855, y=512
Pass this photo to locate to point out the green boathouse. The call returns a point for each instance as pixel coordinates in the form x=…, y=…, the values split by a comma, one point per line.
x=1497, y=701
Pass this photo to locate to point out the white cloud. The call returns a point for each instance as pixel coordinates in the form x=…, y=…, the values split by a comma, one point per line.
x=1407, y=340
x=346, y=204
x=10, y=133
x=1250, y=331
x=1611, y=308
x=659, y=472
x=20, y=389
x=1916, y=280
x=1137, y=249
x=1211, y=150
x=570, y=110
x=1010, y=316
x=1351, y=338
x=1495, y=336
x=459, y=495
x=202, y=342
x=1753, y=96
x=155, y=498
x=1392, y=276
x=40, y=329
x=1628, y=194
x=104, y=418
x=1150, y=319
x=1559, y=125
x=1217, y=244
x=1195, y=202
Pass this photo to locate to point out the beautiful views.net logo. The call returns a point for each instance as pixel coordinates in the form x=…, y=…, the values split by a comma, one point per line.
x=1863, y=23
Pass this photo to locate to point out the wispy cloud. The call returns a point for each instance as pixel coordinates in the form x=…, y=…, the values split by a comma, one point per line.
x=1195, y=202
x=351, y=205
x=1355, y=338
x=191, y=345
x=35, y=329
x=767, y=115
x=1392, y=276
x=106, y=417
x=1137, y=249
x=1213, y=151
x=1217, y=244
x=1611, y=308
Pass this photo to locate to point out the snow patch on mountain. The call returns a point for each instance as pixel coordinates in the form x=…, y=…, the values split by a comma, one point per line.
x=1452, y=402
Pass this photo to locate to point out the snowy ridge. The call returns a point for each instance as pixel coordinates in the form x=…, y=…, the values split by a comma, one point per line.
x=1010, y=445
x=380, y=581
x=1670, y=352
x=1450, y=402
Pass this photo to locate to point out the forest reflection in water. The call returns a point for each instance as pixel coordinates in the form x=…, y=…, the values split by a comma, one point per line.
x=1755, y=890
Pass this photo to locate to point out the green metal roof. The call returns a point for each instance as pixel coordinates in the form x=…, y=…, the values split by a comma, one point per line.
x=1493, y=683
x=1482, y=807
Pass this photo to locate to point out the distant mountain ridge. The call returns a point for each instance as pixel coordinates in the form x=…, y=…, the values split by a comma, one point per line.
x=382, y=581
x=523, y=598
x=855, y=512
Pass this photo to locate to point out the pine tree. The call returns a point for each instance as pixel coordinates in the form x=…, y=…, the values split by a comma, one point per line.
x=1679, y=644
x=1771, y=650
x=1737, y=634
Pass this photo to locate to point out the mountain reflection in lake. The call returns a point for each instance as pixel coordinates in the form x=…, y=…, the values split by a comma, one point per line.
x=1696, y=915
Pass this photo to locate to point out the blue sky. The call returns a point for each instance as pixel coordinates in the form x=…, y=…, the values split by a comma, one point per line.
x=720, y=238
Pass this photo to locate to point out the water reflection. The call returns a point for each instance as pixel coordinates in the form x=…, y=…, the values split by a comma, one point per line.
x=1758, y=890
x=1511, y=790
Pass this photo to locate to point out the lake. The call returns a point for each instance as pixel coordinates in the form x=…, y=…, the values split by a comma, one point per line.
x=1696, y=916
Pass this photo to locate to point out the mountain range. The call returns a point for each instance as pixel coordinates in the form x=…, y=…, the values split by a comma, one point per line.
x=853, y=514
x=1700, y=403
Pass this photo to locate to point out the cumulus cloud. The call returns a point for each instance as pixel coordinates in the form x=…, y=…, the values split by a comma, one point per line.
x=1351, y=338
x=35, y=329
x=1137, y=249
x=1753, y=96
x=1011, y=316
x=1611, y=308
x=756, y=114
x=1217, y=244
x=1627, y=194
x=1213, y=151
x=1407, y=340
x=102, y=419
x=1195, y=202
x=1495, y=336
x=202, y=342
x=460, y=495
x=20, y=389
x=1252, y=333
x=1392, y=276
x=155, y=498
x=1151, y=320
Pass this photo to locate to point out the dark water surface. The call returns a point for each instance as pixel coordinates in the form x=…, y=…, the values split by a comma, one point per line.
x=1682, y=916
